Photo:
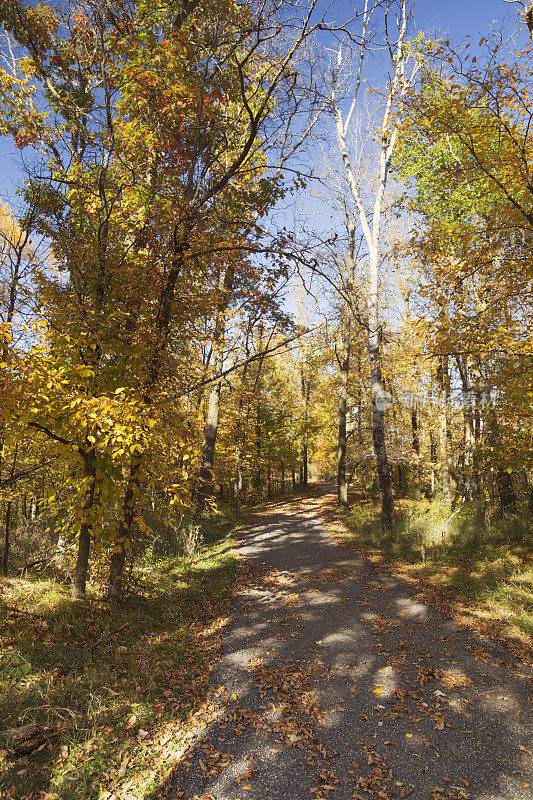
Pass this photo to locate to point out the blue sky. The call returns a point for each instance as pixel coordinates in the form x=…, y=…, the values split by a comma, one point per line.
x=455, y=17
x=461, y=17
x=10, y=171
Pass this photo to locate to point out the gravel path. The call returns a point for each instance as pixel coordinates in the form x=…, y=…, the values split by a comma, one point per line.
x=335, y=683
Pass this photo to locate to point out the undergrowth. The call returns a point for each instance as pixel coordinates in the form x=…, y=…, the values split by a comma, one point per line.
x=116, y=686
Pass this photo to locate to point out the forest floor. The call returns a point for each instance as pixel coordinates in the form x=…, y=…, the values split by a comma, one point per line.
x=336, y=681
x=113, y=688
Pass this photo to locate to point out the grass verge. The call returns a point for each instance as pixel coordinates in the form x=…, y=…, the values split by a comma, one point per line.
x=119, y=686
x=484, y=581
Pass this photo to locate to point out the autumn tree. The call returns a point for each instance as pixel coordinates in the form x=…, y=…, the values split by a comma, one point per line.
x=466, y=152
x=166, y=119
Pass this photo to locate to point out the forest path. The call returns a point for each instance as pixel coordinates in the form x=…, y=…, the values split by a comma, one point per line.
x=334, y=682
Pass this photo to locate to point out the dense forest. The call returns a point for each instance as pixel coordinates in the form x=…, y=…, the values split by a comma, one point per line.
x=251, y=247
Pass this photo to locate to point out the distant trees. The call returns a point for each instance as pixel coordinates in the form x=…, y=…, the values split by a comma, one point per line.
x=461, y=137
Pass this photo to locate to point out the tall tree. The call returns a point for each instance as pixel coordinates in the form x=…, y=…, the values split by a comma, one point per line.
x=345, y=78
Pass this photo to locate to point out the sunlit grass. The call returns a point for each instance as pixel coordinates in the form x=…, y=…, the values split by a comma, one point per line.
x=120, y=707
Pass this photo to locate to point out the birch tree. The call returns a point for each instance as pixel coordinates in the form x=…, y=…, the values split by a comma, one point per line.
x=345, y=82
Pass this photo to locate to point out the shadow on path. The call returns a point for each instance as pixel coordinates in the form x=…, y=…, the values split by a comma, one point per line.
x=334, y=682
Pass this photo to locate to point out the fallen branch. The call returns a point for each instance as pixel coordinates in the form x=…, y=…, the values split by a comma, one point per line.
x=28, y=738
x=454, y=513
x=31, y=564
x=111, y=633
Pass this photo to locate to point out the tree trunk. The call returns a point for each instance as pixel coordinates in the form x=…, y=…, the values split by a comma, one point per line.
x=359, y=466
x=242, y=426
x=399, y=478
x=506, y=491
x=258, y=450
x=24, y=740
x=60, y=557
x=444, y=427
x=79, y=578
x=472, y=474
x=472, y=428
x=131, y=496
x=380, y=452
x=304, y=461
x=122, y=543
x=5, y=559
x=362, y=480
x=344, y=364
x=433, y=456
x=504, y=483
x=205, y=479
x=387, y=136
x=378, y=401
x=306, y=391
x=415, y=453
x=5, y=556
x=239, y=481
x=239, y=450
x=477, y=493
